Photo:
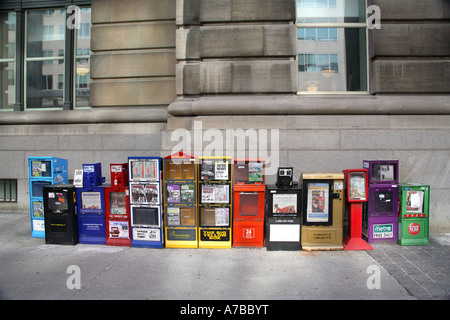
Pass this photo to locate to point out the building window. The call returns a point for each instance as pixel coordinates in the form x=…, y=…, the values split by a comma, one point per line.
x=332, y=46
x=46, y=58
x=7, y=60
x=51, y=67
x=8, y=190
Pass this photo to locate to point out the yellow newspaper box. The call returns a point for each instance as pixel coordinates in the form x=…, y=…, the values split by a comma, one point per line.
x=323, y=209
x=215, y=176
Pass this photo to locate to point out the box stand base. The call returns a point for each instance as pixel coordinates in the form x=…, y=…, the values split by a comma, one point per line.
x=356, y=244
x=321, y=247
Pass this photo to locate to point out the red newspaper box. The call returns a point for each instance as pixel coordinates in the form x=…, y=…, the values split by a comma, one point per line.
x=357, y=192
x=117, y=204
x=248, y=202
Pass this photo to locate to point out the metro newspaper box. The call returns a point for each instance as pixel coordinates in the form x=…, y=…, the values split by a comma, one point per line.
x=283, y=213
x=414, y=214
x=248, y=202
x=91, y=206
x=215, y=176
x=356, y=192
x=43, y=171
x=117, y=203
x=380, y=212
x=146, y=202
x=60, y=214
x=323, y=209
x=180, y=205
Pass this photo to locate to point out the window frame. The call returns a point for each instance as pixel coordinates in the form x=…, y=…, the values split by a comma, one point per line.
x=337, y=25
x=12, y=185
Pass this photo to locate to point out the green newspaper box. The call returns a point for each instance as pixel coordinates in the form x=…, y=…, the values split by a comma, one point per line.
x=414, y=214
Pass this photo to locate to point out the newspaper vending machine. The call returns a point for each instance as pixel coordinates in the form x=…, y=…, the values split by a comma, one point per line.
x=248, y=203
x=356, y=187
x=380, y=212
x=414, y=214
x=215, y=202
x=323, y=210
x=146, y=202
x=117, y=203
x=283, y=212
x=43, y=171
x=91, y=205
x=60, y=214
x=180, y=206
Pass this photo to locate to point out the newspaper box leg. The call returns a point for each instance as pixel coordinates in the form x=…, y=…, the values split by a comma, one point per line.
x=354, y=240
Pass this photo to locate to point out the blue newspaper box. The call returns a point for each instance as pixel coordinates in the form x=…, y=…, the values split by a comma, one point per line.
x=91, y=206
x=43, y=171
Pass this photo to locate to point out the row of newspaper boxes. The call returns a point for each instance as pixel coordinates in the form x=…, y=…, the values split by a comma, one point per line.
x=217, y=202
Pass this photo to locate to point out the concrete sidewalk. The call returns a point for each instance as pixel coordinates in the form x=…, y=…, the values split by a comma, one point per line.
x=30, y=269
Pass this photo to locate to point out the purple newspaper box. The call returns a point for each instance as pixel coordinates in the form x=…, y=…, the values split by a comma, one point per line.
x=380, y=213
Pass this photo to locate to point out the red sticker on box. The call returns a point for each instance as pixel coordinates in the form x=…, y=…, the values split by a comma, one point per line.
x=414, y=229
